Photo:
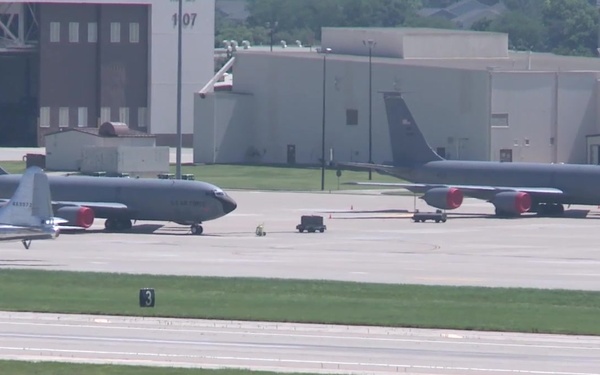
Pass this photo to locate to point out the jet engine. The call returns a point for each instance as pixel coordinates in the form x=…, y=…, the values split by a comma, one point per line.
x=446, y=198
x=76, y=216
x=512, y=202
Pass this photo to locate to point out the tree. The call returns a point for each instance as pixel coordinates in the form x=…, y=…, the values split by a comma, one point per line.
x=524, y=33
x=572, y=26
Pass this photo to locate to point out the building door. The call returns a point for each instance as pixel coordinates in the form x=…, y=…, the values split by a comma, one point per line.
x=594, y=155
x=506, y=155
x=291, y=154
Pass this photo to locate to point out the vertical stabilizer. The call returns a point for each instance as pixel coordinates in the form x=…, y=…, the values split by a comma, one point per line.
x=30, y=204
x=409, y=147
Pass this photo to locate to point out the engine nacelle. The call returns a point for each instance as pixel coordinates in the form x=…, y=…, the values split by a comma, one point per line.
x=512, y=202
x=444, y=198
x=76, y=216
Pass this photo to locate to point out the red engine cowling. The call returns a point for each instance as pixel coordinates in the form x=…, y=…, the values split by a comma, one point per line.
x=444, y=198
x=76, y=216
x=512, y=202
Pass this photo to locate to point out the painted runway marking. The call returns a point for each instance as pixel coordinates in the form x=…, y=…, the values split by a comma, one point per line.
x=287, y=333
x=392, y=366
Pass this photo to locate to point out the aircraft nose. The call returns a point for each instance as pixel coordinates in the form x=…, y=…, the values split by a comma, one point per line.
x=228, y=204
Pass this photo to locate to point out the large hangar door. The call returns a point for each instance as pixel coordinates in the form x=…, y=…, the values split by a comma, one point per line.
x=19, y=74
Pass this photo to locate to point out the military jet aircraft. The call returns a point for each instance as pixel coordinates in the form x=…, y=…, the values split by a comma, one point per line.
x=513, y=188
x=28, y=214
x=81, y=199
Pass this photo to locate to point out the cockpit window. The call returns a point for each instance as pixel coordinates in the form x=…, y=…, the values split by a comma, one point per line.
x=218, y=193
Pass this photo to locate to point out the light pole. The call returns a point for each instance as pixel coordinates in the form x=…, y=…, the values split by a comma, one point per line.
x=271, y=30
x=179, y=137
x=370, y=43
x=325, y=52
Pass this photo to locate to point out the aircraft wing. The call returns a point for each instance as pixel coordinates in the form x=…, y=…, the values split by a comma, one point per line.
x=96, y=206
x=476, y=191
x=364, y=166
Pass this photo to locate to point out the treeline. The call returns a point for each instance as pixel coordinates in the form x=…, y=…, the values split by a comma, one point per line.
x=568, y=27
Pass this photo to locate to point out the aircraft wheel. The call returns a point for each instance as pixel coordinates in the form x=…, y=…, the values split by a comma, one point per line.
x=197, y=229
x=558, y=209
x=110, y=224
x=127, y=224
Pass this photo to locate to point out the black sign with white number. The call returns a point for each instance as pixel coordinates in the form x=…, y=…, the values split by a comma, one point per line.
x=147, y=297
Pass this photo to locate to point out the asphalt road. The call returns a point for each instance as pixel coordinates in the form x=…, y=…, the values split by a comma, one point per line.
x=290, y=347
x=369, y=238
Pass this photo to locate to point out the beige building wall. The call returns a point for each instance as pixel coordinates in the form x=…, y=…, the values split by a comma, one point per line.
x=449, y=104
x=523, y=116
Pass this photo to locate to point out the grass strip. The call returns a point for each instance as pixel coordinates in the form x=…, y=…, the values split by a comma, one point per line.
x=471, y=308
x=57, y=368
x=261, y=177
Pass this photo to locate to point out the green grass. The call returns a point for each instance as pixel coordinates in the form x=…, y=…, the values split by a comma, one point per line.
x=498, y=309
x=278, y=178
x=261, y=177
x=13, y=166
x=55, y=368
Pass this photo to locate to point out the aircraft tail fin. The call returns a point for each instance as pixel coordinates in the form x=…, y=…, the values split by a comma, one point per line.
x=31, y=204
x=409, y=146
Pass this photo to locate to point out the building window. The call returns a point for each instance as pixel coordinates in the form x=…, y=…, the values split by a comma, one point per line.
x=104, y=115
x=352, y=117
x=92, y=32
x=124, y=115
x=142, y=117
x=82, y=117
x=63, y=117
x=54, y=32
x=499, y=120
x=115, y=32
x=74, y=32
x=134, y=32
x=44, y=117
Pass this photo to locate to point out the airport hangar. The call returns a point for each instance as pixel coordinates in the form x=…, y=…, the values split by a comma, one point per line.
x=81, y=63
x=473, y=98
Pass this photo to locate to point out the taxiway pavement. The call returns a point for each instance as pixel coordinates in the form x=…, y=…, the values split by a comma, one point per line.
x=369, y=238
x=290, y=347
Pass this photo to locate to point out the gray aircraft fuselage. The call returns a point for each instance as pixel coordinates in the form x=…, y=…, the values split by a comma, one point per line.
x=580, y=183
x=180, y=201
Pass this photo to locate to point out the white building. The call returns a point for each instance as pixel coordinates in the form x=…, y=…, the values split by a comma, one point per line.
x=472, y=97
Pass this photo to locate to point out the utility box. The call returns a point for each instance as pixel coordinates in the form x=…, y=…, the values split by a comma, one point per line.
x=37, y=160
x=137, y=161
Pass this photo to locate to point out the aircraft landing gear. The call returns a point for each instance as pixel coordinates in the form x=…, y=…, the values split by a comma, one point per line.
x=26, y=243
x=117, y=224
x=196, y=229
x=550, y=209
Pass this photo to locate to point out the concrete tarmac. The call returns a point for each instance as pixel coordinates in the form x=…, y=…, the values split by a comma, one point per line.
x=369, y=238
x=290, y=347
